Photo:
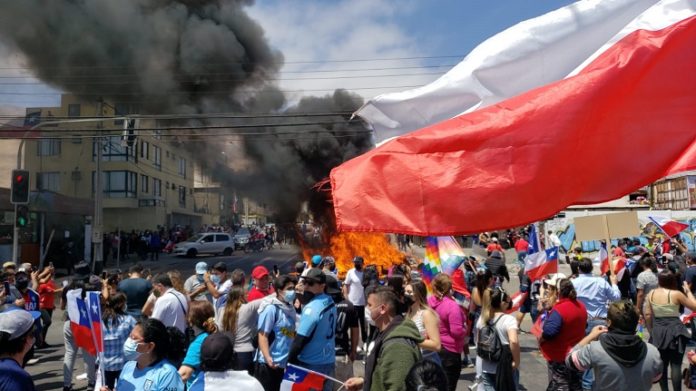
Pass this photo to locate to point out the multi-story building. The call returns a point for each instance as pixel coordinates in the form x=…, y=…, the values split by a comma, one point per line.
x=145, y=185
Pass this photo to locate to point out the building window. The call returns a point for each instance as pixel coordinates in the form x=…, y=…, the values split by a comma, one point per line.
x=114, y=151
x=48, y=147
x=144, y=184
x=74, y=110
x=48, y=181
x=182, y=196
x=118, y=184
x=157, y=152
x=144, y=150
x=182, y=167
x=156, y=187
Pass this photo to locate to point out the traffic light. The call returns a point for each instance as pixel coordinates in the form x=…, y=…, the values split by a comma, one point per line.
x=22, y=218
x=20, y=187
x=129, y=132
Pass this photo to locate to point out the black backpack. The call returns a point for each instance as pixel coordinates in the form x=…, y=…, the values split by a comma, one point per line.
x=489, y=346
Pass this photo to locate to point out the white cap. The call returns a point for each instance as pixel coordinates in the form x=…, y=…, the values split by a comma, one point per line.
x=201, y=268
x=554, y=279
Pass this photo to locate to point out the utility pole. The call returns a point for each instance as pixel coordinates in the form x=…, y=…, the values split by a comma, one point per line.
x=97, y=224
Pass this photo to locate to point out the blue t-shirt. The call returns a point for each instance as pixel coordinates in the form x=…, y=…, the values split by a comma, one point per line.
x=160, y=377
x=273, y=318
x=14, y=377
x=136, y=290
x=193, y=357
x=319, y=317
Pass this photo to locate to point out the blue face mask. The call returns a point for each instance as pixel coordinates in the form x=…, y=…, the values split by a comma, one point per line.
x=129, y=350
x=215, y=279
x=290, y=296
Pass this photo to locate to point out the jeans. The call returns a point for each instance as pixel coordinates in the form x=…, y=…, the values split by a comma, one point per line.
x=588, y=375
x=452, y=365
x=488, y=382
x=671, y=358
x=71, y=355
x=269, y=378
x=360, y=313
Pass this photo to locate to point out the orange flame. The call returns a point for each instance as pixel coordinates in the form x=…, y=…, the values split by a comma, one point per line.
x=375, y=248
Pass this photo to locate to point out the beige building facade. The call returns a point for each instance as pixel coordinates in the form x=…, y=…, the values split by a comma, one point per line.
x=145, y=186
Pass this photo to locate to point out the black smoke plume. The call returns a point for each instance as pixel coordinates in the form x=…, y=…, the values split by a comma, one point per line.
x=191, y=57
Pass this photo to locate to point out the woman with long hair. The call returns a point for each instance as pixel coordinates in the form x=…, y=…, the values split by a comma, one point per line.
x=201, y=317
x=117, y=327
x=239, y=318
x=504, y=374
x=425, y=319
x=150, y=350
x=563, y=328
x=452, y=325
x=667, y=332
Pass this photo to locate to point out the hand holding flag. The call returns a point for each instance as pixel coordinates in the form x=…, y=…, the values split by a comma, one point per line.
x=302, y=379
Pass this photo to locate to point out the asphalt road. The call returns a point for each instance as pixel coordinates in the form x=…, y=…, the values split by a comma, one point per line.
x=48, y=372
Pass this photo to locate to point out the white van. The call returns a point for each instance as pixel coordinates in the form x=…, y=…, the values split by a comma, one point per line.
x=205, y=243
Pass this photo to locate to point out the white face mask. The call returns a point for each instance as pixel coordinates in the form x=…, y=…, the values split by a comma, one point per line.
x=368, y=318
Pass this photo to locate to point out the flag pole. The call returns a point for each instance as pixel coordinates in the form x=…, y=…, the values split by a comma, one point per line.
x=608, y=239
x=99, y=354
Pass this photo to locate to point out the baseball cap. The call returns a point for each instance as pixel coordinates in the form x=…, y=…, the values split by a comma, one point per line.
x=8, y=264
x=259, y=272
x=332, y=287
x=554, y=279
x=316, y=259
x=315, y=275
x=494, y=240
x=217, y=352
x=16, y=322
x=201, y=268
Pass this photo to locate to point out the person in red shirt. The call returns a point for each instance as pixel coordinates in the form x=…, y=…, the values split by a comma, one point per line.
x=494, y=246
x=262, y=284
x=47, y=296
x=521, y=246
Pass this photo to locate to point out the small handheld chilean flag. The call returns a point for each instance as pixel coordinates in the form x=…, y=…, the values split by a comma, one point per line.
x=301, y=379
x=538, y=262
x=79, y=321
x=93, y=301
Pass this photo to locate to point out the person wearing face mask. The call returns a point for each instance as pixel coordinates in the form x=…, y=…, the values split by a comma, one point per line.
x=149, y=351
x=314, y=346
x=355, y=292
x=452, y=326
x=201, y=317
x=16, y=339
x=218, y=284
x=262, y=284
x=117, y=327
x=276, y=330
x=195, y=286
x=396, y=345
x=347, y=335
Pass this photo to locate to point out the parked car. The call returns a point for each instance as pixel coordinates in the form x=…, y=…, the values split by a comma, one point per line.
x=241, y=238
x=206, y=243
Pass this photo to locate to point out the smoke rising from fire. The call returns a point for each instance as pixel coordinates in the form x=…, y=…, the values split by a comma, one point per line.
x=190, y=56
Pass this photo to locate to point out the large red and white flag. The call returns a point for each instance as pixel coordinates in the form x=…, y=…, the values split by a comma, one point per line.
x=559, y=143
x=670, y=227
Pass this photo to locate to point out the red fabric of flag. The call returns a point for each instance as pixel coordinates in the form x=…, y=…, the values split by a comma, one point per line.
x=528, y=157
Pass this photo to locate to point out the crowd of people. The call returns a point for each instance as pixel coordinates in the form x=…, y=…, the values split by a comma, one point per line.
x=217, y=326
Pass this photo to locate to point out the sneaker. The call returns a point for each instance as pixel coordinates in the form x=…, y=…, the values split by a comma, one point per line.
x=82, y=376
x=32, y=361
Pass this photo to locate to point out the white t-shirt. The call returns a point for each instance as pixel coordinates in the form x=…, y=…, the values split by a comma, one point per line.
x=223, y=288
x=171, y=308
x=505, y=322
x=356, y=291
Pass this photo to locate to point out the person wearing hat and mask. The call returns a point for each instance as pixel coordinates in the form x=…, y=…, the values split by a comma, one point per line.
x=195, y=286
x=16, y=339
x=262, y=284
x=346, y=330
x=563, y=328
x=217, y=361
x=355, y=292
x=314, y=347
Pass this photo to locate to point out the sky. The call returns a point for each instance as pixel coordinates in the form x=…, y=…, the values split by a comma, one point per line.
x=366, y=46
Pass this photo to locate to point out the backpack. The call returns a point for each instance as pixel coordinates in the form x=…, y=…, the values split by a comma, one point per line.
x=489, y=346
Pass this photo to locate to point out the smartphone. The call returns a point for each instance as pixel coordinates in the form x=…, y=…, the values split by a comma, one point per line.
x=7, y=287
